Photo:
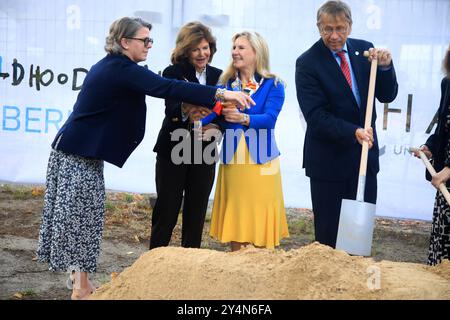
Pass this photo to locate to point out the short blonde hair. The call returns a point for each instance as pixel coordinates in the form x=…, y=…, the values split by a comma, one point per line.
x=123, y=28
x=261, y=50
x=190, y=35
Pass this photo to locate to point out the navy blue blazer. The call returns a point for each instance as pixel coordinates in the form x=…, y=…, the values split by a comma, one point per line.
x=331, y=151
x=108, y=118
x=173, y=119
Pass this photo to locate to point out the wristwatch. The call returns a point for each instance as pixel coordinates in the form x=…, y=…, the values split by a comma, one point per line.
x=245, y=119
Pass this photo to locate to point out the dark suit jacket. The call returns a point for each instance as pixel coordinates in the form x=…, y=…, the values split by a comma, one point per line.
x=331, y=151
x=108, y=119
x=440, y=139
x=173, y=119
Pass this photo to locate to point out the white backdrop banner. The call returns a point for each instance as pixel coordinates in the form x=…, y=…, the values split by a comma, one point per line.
x=46, y=48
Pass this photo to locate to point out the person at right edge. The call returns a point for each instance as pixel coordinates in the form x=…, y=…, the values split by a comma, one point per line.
x=437, y=148
x=332, y=80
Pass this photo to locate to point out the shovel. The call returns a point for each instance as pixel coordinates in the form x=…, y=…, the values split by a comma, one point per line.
x=431, y=170
x=355, y=231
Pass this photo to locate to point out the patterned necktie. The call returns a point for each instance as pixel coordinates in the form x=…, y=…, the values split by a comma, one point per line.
x=345, y=68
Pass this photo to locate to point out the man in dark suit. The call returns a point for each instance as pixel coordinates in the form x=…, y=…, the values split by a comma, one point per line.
x=332, y=79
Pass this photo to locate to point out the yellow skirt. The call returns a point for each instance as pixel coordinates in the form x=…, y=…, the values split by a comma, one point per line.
x=248, y=202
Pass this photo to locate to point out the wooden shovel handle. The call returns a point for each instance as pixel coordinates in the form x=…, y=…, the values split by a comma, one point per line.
x=369, y=111
x=431, y=170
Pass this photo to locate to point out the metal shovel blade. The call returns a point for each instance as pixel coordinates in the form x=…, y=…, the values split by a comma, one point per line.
x=355, y=230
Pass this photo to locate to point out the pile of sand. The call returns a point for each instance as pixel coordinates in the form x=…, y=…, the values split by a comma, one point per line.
x=311, y=272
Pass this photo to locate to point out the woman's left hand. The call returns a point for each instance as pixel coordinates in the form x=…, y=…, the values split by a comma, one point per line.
x=231, y=113
x=441, y=177
x=196, y=113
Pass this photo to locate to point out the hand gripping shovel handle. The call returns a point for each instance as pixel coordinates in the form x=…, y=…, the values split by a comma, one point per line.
x=367, y=125
x=431, y=170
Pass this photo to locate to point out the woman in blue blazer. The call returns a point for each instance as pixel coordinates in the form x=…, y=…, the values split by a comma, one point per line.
x=248, y=204
x=107, y=124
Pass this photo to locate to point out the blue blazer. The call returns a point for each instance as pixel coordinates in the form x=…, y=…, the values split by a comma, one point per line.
x=331, y=151
x=108, y=118
x=259, y=136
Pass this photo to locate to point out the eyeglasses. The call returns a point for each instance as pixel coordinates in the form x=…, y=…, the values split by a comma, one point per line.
x=329, y=30
x=146, y=41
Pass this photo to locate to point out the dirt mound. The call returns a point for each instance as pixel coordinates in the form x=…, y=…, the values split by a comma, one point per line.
x=311, y=272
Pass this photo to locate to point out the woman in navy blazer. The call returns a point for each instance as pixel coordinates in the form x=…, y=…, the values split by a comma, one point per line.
x=107, y=124
x=248, y=204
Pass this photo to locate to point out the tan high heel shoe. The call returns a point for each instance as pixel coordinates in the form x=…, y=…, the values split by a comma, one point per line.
x=82, y=294
x=79, y=293
x=92, y=286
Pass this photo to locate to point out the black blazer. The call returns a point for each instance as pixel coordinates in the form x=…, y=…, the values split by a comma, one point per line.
x=173, y=119
x=108, y=119
x=331, y=151
x=440, y=139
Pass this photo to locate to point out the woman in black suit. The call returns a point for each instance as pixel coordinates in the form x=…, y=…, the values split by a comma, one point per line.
x=437, y=148
x=195, y=48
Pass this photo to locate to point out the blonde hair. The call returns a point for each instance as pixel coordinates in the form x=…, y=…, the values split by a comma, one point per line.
x=261, y=50
x=123, y=28
x=190, y=35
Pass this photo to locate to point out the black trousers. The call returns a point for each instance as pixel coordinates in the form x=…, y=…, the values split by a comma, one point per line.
x=326, y=201
x=195, y=181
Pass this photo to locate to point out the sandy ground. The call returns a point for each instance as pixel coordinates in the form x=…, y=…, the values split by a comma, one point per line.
x=311, y=272
x=21, y=275
x=297, y=270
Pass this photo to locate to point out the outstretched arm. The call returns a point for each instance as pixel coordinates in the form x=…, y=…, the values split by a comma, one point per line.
x=143, y=80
